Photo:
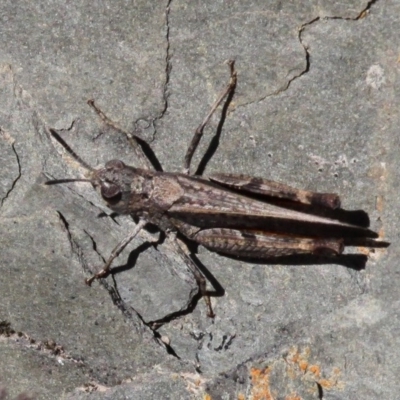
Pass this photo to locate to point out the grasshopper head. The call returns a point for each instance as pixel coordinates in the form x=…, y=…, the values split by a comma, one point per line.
x=106, y=180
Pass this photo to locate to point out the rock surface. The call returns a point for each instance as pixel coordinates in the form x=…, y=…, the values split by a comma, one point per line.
x=315, y=107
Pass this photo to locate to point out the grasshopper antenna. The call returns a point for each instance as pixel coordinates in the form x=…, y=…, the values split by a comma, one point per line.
x=75, y=156
x=57, y=181
x=70, y=151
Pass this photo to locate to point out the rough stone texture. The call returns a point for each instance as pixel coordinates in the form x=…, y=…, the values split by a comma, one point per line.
x=316, y=107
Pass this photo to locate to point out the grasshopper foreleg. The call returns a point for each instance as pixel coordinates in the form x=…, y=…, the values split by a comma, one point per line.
x=116, y=252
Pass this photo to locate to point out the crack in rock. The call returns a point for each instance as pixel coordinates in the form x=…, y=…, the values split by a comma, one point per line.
x=363, y=13
x=168, y=68
x=47, y=347
x=19, y=174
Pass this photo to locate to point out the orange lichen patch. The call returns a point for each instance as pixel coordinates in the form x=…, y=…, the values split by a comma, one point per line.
x=295, y=369
x=298, y=365
x=333, y=381
x=295, y=358
x=315, y=370
x=326, y=383
x=303, y=365
x=207, y=397
x=260, y=381
x=293, y=397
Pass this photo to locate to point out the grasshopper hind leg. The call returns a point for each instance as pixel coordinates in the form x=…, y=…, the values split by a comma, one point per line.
x=181, y=249
x=263, y=245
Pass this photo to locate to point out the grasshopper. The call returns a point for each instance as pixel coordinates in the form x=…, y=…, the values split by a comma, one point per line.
x=235, y=215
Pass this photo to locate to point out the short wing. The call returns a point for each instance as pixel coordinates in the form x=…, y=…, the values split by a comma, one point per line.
x=209, y=205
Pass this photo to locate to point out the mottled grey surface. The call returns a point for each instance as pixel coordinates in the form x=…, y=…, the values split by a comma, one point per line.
x=317, y=107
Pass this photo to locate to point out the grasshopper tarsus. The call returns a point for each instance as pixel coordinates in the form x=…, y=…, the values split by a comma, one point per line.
x=211, y=314
x=104, y=117
x=89, y=281
x=102, y=274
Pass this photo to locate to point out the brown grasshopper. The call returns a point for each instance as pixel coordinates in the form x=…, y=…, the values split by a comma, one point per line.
x=235, y=215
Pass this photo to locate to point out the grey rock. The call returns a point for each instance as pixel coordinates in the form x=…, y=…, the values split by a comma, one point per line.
x=316, y=107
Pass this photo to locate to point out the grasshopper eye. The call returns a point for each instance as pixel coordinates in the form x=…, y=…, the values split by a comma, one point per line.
x=115, y=164
x=110, y=191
